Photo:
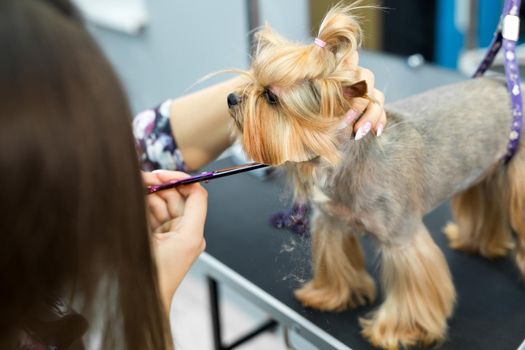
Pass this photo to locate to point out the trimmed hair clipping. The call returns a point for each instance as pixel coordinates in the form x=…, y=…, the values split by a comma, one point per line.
x=270, y=96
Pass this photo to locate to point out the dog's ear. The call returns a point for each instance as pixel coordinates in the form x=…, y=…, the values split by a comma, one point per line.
x=358, y=89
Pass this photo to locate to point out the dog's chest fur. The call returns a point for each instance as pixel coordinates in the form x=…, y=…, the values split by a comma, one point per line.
x=435, y=145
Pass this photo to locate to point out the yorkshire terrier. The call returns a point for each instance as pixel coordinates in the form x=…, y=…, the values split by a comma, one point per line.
x=448, y=142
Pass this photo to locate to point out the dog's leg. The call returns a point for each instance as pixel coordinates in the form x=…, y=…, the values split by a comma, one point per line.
x=340, y=280
x=481, y=218
x=419, y=294
x=516, y=176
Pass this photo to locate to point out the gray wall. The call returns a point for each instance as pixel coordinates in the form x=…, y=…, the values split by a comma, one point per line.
x=289, y=17
x=185, y=40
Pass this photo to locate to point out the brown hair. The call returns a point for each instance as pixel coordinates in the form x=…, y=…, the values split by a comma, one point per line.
x=72, y=211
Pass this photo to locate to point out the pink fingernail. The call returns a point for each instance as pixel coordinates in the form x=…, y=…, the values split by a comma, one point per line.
x=351, y=116
x=379, y=131
x=363, y=130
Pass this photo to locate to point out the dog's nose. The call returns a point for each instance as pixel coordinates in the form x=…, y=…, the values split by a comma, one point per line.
x=233, y=100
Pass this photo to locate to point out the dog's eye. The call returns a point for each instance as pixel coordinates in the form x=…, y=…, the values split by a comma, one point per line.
x=270, y=97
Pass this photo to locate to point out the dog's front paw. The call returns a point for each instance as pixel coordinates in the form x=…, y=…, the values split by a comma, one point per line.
x=330, y=298
x=391, y=335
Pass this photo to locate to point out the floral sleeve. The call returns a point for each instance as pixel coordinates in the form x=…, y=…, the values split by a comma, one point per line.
x=156, y=146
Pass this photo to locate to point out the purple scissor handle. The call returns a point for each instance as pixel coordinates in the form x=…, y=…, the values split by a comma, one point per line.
x=206, y=176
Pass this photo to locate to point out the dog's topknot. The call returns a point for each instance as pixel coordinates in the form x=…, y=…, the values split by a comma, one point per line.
x=340, y=31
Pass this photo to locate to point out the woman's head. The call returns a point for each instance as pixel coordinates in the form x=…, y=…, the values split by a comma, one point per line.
x=72, y=214
x=296, y=95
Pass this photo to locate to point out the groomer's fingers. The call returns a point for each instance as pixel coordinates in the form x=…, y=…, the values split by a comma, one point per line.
x=163, y=205
x=195, y=208
x=168, y=227
x=158, y=210
x=150, y=178
x=175, y=203
x=357, y=107
x=153, y=223
x=360, y=104
x=368, y=120
x=174, y=200
x=168, y=175
x=380, y=123
x=158, y=177
x=373, y=118
x=166, y=205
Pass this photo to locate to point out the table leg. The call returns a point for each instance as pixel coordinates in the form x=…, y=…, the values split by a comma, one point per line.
x=213, y=289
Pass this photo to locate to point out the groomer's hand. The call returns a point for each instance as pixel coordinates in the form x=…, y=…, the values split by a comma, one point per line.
x=367, y=114
x=176, y=218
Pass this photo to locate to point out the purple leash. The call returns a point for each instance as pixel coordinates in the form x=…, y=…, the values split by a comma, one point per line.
x=507, y=35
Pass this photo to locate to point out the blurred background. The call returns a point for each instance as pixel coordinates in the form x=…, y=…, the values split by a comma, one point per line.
x=170, y=44
x=161, y=48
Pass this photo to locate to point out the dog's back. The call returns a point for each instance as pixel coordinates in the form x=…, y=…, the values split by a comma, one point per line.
x=436, y=144
x=455, y=134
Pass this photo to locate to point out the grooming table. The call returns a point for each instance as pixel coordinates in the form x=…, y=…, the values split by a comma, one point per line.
x=265, y=265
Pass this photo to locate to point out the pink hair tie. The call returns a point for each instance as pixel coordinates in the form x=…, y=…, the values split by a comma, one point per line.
x=319, y=42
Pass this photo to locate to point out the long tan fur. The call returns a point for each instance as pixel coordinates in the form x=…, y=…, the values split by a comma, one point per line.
x=516, y=176
x=420, y=294
x=340, y=279
x=481, y=215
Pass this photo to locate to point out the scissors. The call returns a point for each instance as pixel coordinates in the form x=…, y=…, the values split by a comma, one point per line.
x=206, y=176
